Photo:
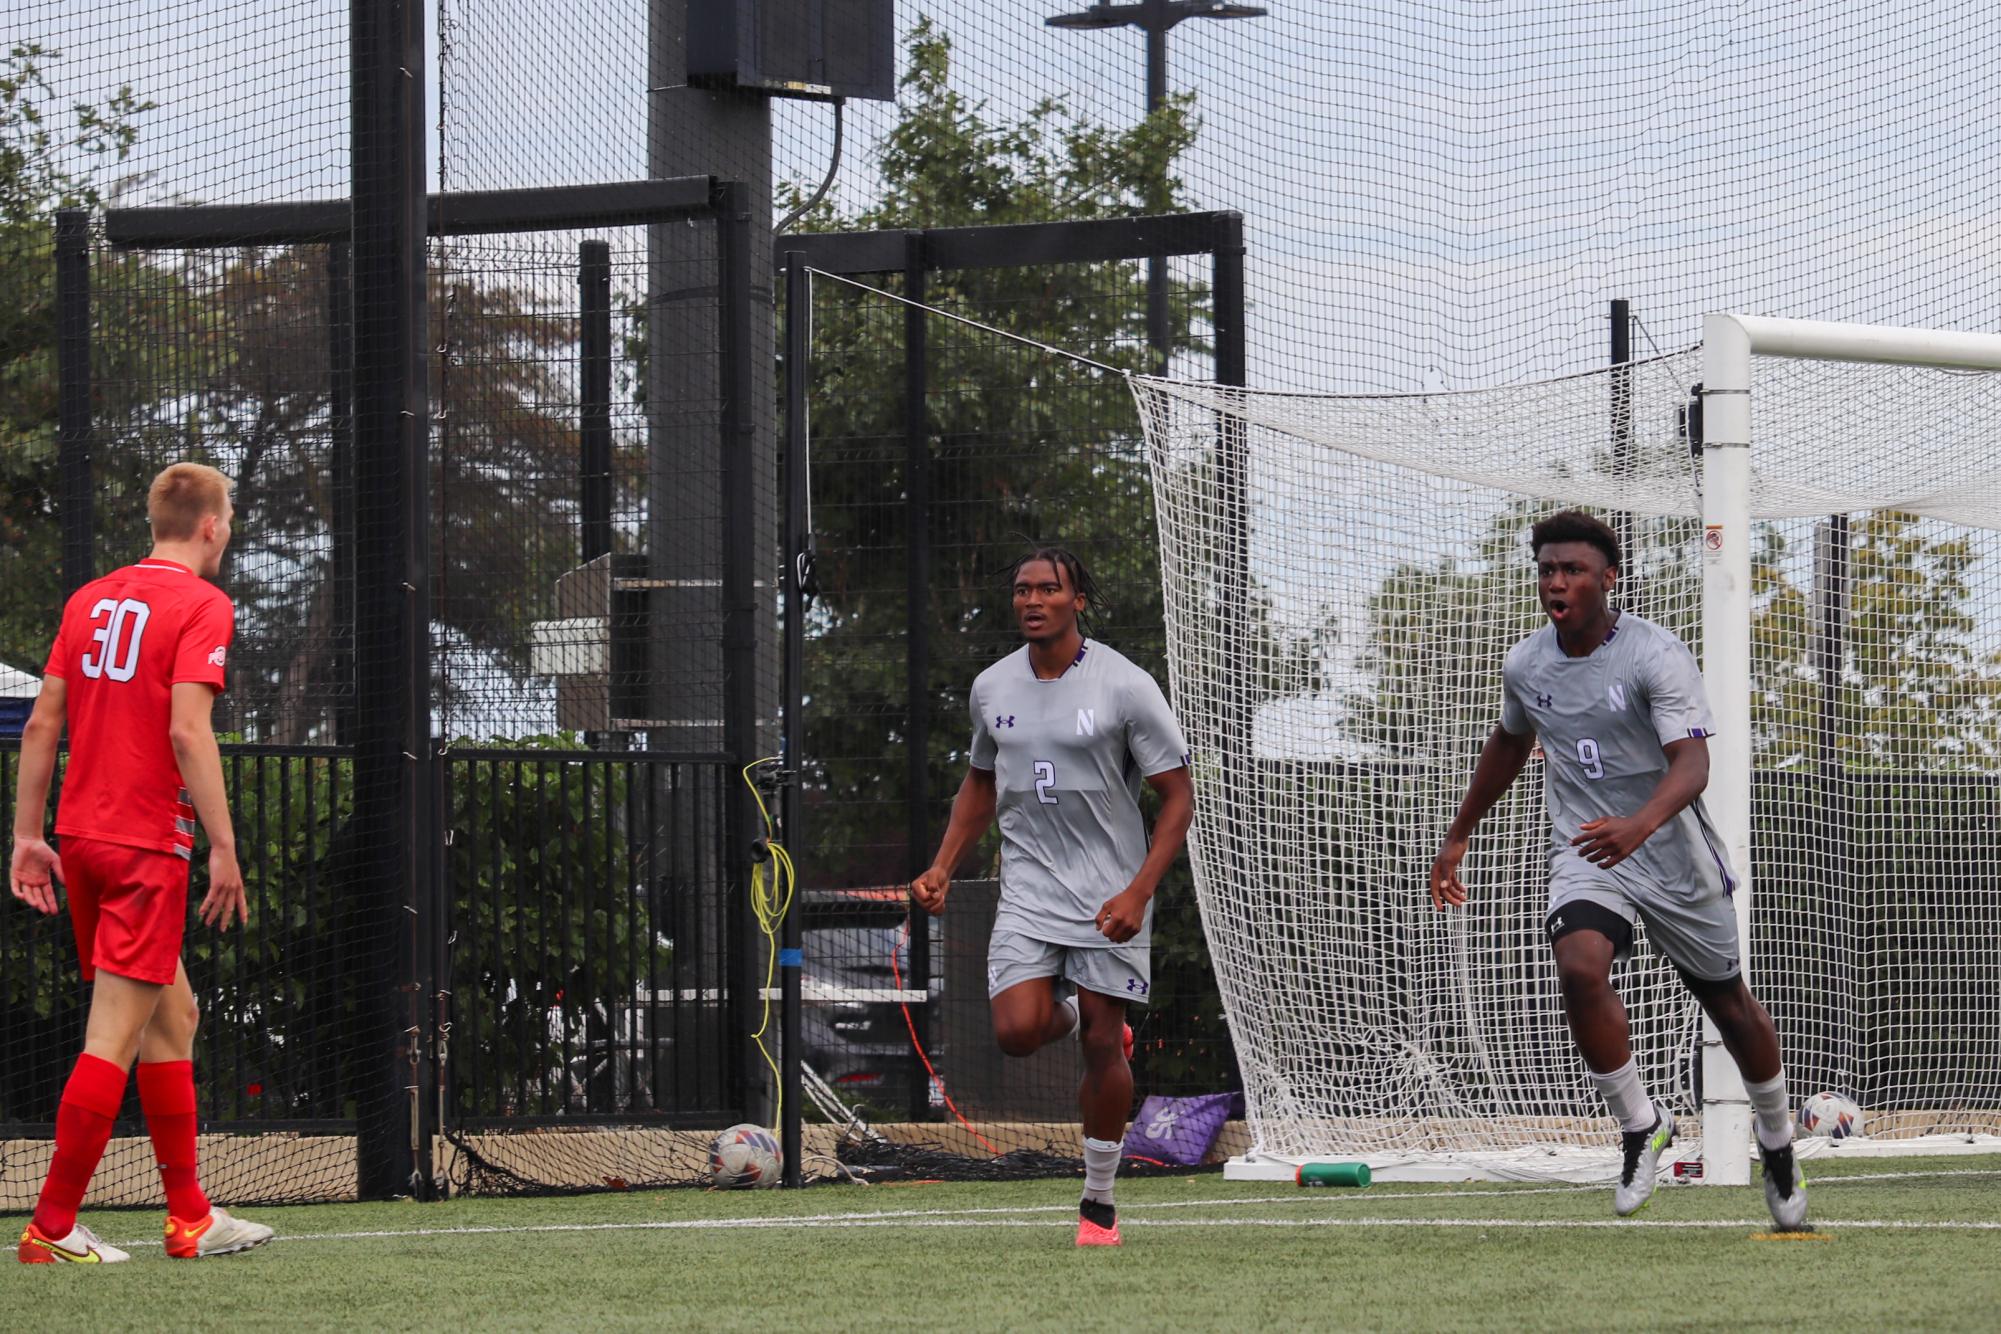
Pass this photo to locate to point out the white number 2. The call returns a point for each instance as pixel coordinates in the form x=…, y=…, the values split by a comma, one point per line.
x=1045, y=782
x=128, y=618
x=1587, y=755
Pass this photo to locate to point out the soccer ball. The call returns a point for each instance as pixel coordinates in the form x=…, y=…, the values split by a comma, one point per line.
x=744, y=1156
x=1830, y=1115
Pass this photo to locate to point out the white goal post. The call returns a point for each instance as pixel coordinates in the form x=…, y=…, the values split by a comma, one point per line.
x=1729, y=344
x=1341, y=577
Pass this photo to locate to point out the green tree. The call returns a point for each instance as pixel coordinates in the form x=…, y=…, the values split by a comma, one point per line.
x=1024, y=448
x=251, y=393
x=51, y=158
x=223, y=357
x=1910, y=689
x=1415, y=700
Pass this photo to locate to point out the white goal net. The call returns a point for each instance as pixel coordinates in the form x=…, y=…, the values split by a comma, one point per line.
x=1343, y=576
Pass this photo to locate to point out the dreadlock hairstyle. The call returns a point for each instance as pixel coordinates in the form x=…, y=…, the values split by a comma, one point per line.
x=1079, y=577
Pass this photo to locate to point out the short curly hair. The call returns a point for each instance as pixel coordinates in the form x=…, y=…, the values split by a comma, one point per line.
x=1576, y=526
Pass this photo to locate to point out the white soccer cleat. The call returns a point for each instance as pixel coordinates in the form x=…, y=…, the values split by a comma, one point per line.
x=218, y=1234
x=1785, y=1188
x=80, y=1247
x=1642, y=1150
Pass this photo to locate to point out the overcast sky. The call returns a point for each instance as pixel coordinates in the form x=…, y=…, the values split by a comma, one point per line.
x=1437, y=195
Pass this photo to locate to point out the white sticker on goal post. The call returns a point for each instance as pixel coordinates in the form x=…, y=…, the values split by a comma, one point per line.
x=1712, y=539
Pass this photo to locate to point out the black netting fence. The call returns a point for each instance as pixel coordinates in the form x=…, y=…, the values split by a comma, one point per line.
x=515, y=488
x=941, y=451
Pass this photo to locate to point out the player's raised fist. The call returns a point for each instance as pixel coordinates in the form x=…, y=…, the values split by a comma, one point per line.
x=928, y=890
x=1121, y=916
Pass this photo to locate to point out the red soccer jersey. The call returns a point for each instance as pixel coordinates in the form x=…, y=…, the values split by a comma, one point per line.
x=126, y=640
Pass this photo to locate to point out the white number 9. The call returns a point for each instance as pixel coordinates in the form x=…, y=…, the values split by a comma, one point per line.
x=1587, y=755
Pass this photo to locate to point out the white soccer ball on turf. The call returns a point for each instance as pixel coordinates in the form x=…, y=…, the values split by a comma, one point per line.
x=1831, y=1116
x=744, y=1156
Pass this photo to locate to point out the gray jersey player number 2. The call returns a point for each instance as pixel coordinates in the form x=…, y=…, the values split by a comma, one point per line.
x=1065, y=731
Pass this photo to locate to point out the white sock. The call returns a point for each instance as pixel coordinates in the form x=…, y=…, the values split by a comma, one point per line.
x=1769, y=1108
x=1101, y=1165
x=1626, y=1097
x=1069, y=1006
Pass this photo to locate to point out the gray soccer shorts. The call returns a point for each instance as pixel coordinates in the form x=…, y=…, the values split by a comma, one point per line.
x=1698, y=936
x=1123, y=972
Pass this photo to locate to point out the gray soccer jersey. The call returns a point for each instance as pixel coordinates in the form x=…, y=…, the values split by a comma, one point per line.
x=1068, y=757
x=1603, y=720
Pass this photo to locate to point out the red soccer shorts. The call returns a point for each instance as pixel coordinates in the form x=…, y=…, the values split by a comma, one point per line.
x=129, y=907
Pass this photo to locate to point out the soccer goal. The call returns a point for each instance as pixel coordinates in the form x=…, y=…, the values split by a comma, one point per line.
x=1343, y=575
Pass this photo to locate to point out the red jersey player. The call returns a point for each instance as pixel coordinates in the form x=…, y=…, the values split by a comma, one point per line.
x=134, y=672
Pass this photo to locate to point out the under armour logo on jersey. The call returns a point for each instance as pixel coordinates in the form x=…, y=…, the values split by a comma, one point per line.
x=1008, y=721
x=1555, y=924
x=1087, y=722
x=1616, y=693
x=1544, y=701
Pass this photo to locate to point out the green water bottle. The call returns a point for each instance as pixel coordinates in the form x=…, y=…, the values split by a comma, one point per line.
x=1332, y=1174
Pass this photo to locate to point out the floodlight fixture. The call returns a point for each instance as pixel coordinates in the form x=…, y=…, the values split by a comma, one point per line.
x=1154, y=15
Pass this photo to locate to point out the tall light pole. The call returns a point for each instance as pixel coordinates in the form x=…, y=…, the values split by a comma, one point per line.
x=1155, y=18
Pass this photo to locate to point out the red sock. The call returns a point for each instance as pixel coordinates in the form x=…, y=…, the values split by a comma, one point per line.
x=83, y=1127
x=167, y=1092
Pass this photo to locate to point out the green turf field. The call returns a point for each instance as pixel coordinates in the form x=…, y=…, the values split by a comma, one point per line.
x=1908, y=1244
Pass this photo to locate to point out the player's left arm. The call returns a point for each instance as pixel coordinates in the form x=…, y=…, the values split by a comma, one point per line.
x=1683, y=724
x=200, y=762
x=1125, y=912
x=34, y=861
x=1611, y=840
x=198, y=677
x=1157, y=744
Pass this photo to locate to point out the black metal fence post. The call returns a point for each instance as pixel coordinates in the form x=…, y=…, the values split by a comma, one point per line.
x=594, y=420
x=795, y=542
x=340, y=426
x=1231, y=355
x=391, y=829
x=917, y=642
x=1622, y=436
x=740, y=607
x=73, y=397
x=1233, y=485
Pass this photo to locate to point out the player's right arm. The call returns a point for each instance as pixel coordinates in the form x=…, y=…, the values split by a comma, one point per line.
x=34, y=861
x=200, y=761
x=1501, y=762
x=972, y=816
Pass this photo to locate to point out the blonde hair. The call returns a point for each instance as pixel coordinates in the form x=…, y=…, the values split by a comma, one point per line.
x=182, y=496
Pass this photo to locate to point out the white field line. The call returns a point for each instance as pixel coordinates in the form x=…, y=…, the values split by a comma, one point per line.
x=1012, y=1215
x=836, y=1221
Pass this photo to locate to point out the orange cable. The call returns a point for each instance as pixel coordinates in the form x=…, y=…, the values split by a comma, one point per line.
x=896, y=971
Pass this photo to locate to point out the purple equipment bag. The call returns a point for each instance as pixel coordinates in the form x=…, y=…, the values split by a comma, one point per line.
x=1178, y=1130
